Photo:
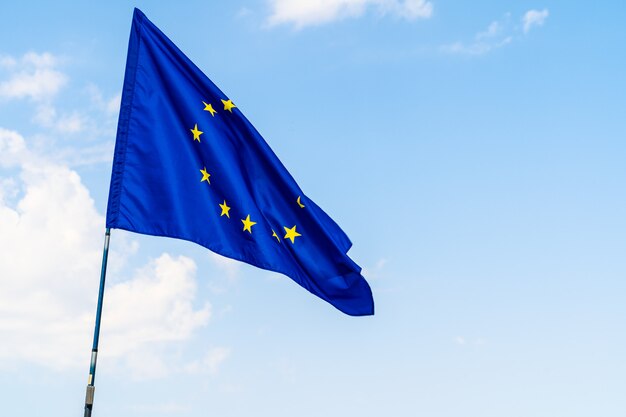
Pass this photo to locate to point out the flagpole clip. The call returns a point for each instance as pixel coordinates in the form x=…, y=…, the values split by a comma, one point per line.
x=89, y=395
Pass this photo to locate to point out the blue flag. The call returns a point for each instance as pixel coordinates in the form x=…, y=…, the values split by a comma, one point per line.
x=189, y=165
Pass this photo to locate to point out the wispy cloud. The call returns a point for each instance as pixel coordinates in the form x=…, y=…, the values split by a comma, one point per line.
x=7, y=62
x=162, y=408
x=243, y=12
x=227, y=273
x=534, y=18
x=34, y=76
x=376, y=271
x=475, y=48
x=38, y=79
x=464, y=341
x=211, y=362
x=229, y=267
x=498, y=34
x=317, y=12
x=109, y=105
x=493, y=30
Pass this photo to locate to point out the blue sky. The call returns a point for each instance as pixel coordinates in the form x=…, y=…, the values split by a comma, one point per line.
x=473, y=151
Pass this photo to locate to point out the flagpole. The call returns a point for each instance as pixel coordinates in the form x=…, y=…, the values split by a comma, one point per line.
x=96, y=334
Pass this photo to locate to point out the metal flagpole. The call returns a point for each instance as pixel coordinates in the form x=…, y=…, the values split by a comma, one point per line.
x=96, y=334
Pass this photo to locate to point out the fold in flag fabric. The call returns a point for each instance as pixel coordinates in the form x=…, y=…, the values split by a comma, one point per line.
x=189, y=165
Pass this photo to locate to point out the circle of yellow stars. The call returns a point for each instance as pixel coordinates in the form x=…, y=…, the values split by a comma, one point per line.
x=290, y=232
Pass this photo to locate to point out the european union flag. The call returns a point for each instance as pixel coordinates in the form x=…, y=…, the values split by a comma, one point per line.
x=189, y=165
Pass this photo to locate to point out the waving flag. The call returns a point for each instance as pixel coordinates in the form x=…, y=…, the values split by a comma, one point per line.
x=189, y=165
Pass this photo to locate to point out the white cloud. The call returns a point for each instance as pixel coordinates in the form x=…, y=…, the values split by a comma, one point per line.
x=37, y=84
x=9, y=189
x=70, y=123
x=316, y=12
x=34, y=76
x=211, y=361
x=49, y=247
x=50, y=252
x=534, y=18
x=155, y=306
x=67, y=123
x=44, y=60
x=12, y=148
x=93, y=124
x=37, y=77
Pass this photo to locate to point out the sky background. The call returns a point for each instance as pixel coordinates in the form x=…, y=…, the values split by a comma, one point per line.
x=473, y=151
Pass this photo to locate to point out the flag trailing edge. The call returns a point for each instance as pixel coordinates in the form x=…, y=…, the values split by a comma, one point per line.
x=188, y=165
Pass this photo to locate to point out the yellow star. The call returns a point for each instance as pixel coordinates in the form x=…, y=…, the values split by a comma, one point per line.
x=208, y=107
x=247, y=224
x=205, y=176
x=275, y=235
x=291, y=233
x=196, y=133
x=225, y=210
x=299, y=203
x=228, y=105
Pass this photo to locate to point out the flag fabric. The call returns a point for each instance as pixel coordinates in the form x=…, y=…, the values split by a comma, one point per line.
x=189, y=165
